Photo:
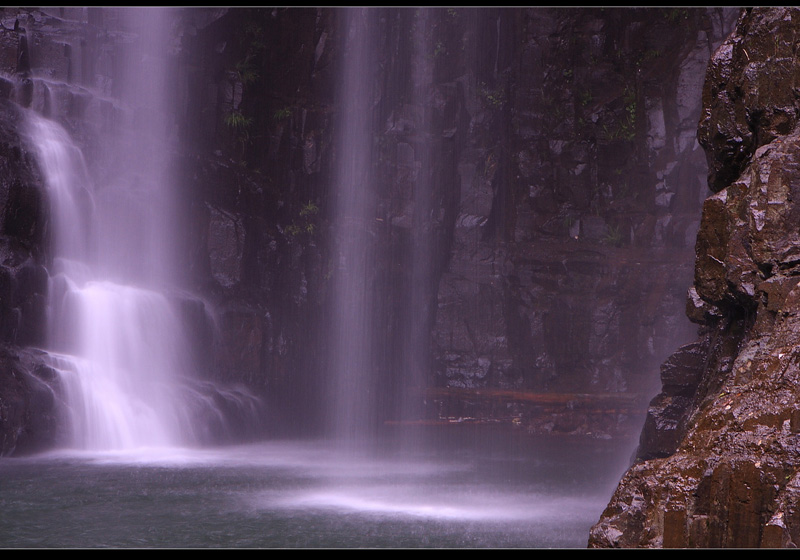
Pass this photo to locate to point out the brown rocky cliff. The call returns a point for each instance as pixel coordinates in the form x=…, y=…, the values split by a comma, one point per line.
x=719, y=452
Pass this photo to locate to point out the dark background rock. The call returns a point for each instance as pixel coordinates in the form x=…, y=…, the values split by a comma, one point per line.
x=29, y=412
x=568, y=186
x=580, y=190
x=27, y=404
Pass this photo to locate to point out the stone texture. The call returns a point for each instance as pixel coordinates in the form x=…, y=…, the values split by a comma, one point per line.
x=29, y=411
x=580, y=187
x=27, y=406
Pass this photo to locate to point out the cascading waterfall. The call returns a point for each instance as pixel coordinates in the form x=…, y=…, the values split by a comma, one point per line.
x=116, y=325
x=115, y=345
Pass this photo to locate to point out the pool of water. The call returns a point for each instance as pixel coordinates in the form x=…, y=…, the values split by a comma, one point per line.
x=310, y=494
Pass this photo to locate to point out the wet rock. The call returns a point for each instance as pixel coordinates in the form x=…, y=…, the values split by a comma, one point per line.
x=23, y=216
x=576, y=202
x=29, y=413
x=670, y=411
x=26, y=404
x=241, y=345
x=748, y=97
x=225, y=247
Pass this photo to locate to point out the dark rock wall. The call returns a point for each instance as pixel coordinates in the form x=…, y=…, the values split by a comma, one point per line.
x=27, y=412
x=565, y=197
x=718, y=457
x=257, y=133
x=580, y=186
x=567, y=185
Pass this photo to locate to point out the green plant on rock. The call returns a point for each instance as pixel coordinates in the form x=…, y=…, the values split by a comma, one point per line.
x=253, y=46
x=648, y=55
x=624, y=190
x=675, y=15
x=240, y=125
x=777, y=39
x=625, y=127
x=246, y=71
x=309, y=209
x=622, y=130
x=494, y=98
x=304, y=221
x=236, y=120
x=629, y=99
x=282, y=114
x=613, y=236
x=254, y=37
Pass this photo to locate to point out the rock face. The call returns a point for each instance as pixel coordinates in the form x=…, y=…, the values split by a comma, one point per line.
x=719, y=453
x=578, y=203
x=566, y=189
x=564, y=199
x=26, y=402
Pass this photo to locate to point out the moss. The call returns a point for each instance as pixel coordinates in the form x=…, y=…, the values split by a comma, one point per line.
x=613, y=236
x=493, y=98
x=282, y=114
x=303, y=223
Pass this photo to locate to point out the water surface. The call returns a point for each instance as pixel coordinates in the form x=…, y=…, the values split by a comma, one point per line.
x=307, y=494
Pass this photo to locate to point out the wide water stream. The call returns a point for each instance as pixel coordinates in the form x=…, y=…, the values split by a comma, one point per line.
x=502, y=492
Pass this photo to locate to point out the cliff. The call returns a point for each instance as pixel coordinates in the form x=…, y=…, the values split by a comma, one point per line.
x=577, y=213
x=28, y=416
x=717, y=462
x=567, y=186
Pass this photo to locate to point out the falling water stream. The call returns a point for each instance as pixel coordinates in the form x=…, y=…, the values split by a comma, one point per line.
x=117, y=336
x=117, y=347
x=136, y=469
x=354, y=414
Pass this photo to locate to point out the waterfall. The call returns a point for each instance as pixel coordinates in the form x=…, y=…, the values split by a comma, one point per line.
x=418, y=294
x=353, y=394
x=371, y=384
x=117, y=312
